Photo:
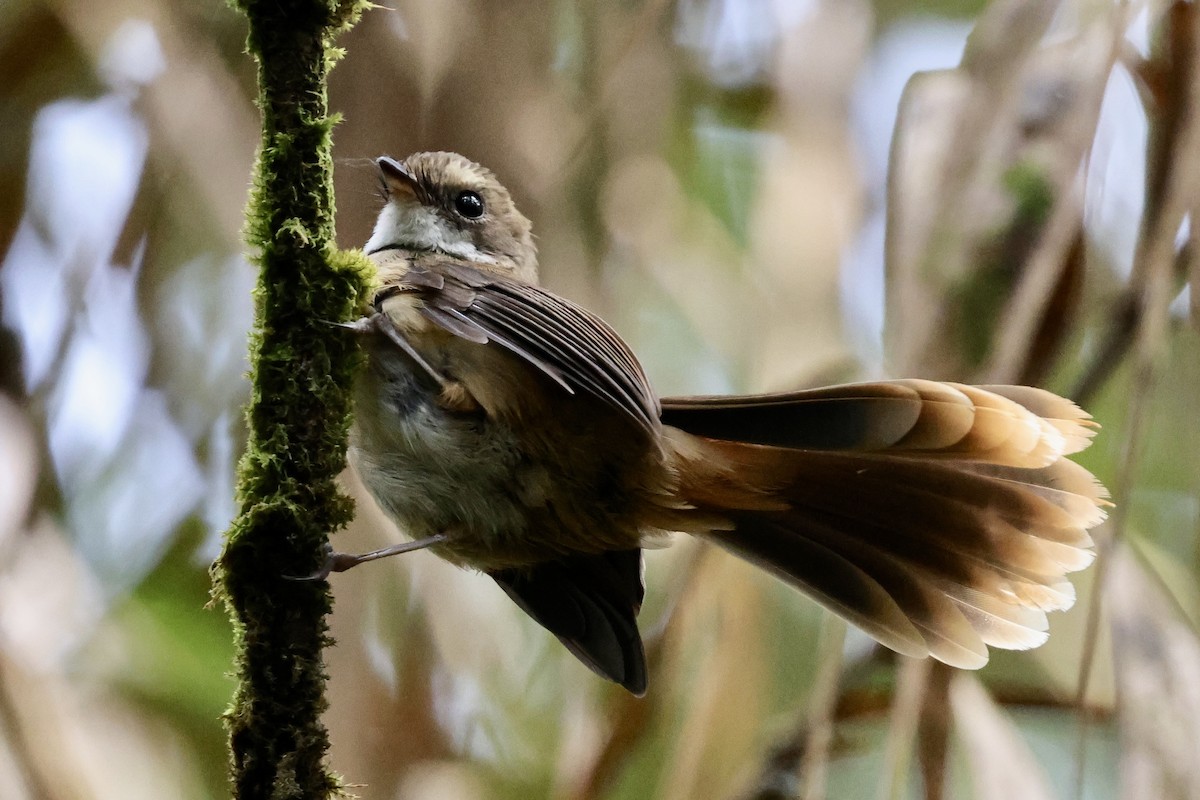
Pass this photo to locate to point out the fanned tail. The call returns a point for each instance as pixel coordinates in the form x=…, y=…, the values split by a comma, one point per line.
x=940, y=518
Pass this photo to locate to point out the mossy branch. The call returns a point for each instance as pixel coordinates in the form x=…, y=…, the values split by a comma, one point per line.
x=298, y=414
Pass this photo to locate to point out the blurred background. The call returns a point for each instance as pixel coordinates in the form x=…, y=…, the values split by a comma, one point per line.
x=758, y=194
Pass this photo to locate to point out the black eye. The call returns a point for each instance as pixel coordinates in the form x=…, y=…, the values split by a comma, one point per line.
x=469, y=204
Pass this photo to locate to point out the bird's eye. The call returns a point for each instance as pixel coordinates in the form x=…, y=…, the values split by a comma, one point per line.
x=469, y=204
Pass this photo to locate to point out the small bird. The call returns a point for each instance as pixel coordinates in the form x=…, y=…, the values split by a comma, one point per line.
x=512, y=432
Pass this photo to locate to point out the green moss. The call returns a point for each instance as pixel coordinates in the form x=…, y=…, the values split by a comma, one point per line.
x=298, y=415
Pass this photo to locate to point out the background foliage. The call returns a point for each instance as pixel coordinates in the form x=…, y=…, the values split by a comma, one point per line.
x=719, y=179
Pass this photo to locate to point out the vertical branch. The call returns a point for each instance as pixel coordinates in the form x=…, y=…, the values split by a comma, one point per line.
x=298, y=414
x=912, y=680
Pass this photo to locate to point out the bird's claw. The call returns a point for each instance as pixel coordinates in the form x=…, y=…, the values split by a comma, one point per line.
x=328, y=565
x=360, y=325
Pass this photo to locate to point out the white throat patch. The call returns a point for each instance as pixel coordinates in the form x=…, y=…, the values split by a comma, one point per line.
x=416, y=226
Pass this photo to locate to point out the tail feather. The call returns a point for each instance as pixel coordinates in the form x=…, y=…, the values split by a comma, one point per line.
x=999, y=624
x=960, y=509
x=1070, y=420
x=953, y=535
x=830, y=578
x=944, y=630
x=934, y=420
x=1063, y=485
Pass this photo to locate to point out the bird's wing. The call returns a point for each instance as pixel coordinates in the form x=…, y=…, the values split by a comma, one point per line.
x=590, y=602
x=571, y=346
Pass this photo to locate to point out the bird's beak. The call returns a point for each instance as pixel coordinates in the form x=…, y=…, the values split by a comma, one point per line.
x=397, y=178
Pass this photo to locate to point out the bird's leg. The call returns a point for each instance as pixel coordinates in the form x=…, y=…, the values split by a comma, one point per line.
x=340, y=562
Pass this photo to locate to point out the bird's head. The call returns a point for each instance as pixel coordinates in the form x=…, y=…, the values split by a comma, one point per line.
x=446, y=203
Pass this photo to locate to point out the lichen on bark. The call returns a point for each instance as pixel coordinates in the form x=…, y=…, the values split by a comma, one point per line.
x=298, y=416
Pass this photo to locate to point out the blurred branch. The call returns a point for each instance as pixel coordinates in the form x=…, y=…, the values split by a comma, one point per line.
x=634, y=716
x=912, y=679
x=1154, y=266
x=1044, y=277
x=16, y=739
x=957, y=134
x=814, y=760
x=1158, y=659
x=1125, y=317
x=933, y=730
x=1164, y=80
x=298, y=415
x=1001, y=761
x=985, y=200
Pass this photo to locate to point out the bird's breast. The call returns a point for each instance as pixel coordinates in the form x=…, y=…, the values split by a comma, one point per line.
x=433, y=470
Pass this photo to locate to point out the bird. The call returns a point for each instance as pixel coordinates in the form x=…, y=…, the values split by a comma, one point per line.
x=512, y=432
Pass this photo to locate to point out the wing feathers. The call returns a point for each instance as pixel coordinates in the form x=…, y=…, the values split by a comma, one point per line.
x=590, y=602
x=569, y=345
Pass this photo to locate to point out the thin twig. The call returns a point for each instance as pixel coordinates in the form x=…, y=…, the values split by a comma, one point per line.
x=933, y=730
x=1027, y=305
x=643, y=24
x=823, y=697
x=912, y=679
x=22, y=754
x=633, y=715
